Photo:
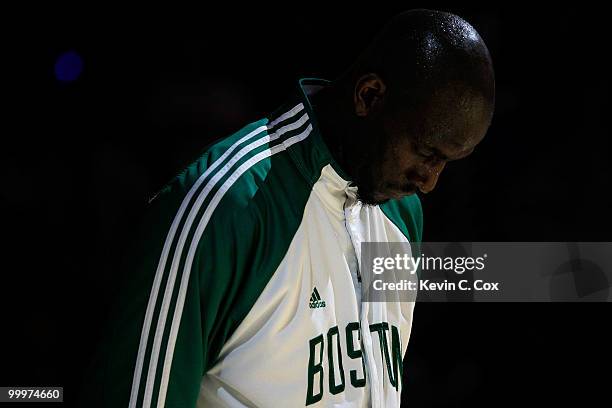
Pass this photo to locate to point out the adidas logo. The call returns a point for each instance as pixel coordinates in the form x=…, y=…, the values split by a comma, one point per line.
x=315, y=300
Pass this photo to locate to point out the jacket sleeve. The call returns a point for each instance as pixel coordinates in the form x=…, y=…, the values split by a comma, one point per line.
x=177, y=305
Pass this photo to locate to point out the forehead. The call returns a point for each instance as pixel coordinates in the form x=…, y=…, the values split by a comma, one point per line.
x=463, y=139
x=450, y=118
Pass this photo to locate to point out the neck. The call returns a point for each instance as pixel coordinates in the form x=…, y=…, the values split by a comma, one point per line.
x=334, y=123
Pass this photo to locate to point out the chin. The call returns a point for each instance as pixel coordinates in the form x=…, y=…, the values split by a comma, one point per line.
x=374, y=198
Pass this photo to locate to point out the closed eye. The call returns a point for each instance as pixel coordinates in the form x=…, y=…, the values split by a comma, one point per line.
x=426, y=153
x=431, y=154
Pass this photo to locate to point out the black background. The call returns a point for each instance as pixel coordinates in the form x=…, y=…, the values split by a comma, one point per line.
x=79, y=160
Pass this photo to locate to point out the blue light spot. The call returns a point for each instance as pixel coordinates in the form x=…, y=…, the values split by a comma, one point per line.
x=68, y=66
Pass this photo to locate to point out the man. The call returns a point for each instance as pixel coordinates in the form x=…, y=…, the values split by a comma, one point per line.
x=247, y=288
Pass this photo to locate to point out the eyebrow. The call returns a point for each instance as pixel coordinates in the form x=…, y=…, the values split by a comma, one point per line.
x=445, y=157
x=439, y=154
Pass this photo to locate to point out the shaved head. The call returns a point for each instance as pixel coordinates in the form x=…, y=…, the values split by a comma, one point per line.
x=430, y=59
x=421, y=50
x=420, y=95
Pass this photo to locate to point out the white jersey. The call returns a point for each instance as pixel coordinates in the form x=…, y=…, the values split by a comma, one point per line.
x=254, y=298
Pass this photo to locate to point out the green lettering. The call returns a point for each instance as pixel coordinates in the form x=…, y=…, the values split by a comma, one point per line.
x=381, y=329
x=333, y=388
x=352, y=353
x=396, y=353
x=313, y=369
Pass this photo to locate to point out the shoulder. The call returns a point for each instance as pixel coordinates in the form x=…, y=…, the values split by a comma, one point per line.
x=223, y=171
x=407, y=214
x=239, y=180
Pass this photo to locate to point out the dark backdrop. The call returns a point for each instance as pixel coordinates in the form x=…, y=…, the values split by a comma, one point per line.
x=80, y=158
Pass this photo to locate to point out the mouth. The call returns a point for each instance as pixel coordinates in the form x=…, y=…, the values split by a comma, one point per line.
x=403, y=193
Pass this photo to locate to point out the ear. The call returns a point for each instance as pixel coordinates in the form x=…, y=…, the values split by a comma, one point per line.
x=368, y=94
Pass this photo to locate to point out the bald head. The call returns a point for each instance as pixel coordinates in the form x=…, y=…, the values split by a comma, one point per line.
x=420, y=52
x=421, y=94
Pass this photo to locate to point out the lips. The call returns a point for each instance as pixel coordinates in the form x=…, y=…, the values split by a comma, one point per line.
x=408, y=189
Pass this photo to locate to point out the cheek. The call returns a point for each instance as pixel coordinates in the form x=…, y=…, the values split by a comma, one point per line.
x=401, y=158
x=393, y=169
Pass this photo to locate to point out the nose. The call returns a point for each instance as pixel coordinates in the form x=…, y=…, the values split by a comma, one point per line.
x=430, y=177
